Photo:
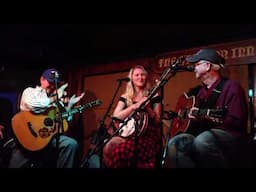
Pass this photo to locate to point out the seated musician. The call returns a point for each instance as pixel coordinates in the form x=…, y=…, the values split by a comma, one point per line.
x=39, y=100
x=141, y=149
x=210, y=141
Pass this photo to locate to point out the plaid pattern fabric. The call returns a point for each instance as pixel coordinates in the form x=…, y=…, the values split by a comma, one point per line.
x=148, y=149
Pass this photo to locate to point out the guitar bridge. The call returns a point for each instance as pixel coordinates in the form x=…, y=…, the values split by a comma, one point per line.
x=32, y=130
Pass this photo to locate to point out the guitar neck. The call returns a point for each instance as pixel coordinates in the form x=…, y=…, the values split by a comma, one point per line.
x=218, y=113
x=71, y=112
x=80, y=109
x=200, y=112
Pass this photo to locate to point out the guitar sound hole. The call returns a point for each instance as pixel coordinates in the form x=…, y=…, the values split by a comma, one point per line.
x=48, y=122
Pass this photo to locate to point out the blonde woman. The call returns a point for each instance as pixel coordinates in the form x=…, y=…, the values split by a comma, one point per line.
x=142, y=152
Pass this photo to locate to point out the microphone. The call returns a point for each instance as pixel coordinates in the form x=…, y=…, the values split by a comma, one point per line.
x=55, y=74
x=126, y=79
x=177, y=67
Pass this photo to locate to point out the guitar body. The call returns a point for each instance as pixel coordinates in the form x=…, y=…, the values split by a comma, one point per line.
x=206, y=118
x=34, y=131
x=181, y=122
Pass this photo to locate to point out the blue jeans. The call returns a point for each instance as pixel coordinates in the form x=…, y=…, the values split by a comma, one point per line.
x=67, y=151
x=210, y=149
x=66, y=155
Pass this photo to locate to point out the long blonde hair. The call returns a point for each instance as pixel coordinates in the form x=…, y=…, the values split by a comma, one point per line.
x=130, y=91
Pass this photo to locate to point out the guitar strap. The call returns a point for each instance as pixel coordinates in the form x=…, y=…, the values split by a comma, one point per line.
x=198, y=127
x=193, y=91
x=210, y=102
x=214, y=96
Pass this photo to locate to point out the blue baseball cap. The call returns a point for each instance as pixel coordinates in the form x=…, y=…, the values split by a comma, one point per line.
x=208, y=55
x=51, y=74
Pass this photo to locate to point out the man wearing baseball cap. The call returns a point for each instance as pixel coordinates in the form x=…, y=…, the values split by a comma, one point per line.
x=38, y=100
x=210, y=141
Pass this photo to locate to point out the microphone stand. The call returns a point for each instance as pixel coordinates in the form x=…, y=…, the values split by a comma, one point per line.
x=171, y=116
x=101, y=133
x=165, y=77
x=58, y=118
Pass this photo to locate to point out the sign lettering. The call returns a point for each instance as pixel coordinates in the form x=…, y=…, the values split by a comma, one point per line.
x=234, y=53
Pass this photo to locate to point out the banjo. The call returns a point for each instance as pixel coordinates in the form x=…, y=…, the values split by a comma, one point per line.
x=128, y=126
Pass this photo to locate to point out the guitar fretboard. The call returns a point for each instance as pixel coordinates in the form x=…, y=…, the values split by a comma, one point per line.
x=80, y=109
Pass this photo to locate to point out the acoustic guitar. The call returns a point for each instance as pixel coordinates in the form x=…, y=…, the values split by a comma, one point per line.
x=34, y=131
x=182, y=122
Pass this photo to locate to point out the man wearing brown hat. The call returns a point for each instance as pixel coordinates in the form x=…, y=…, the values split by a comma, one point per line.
x=38, y=100
x=217, y=120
